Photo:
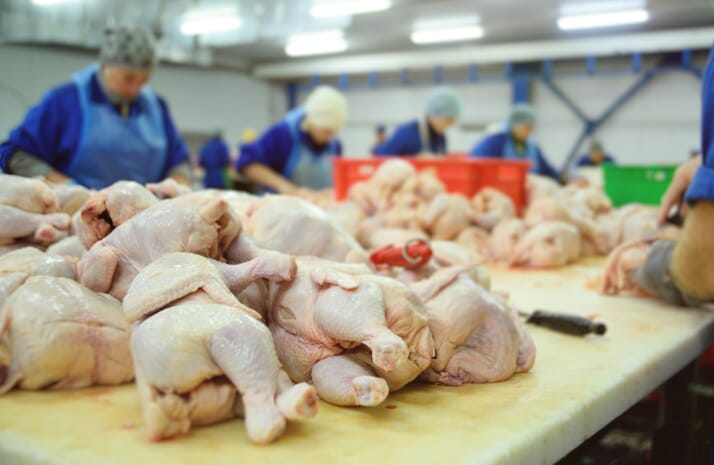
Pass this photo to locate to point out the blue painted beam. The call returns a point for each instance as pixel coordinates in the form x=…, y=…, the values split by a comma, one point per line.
x=508, y=70
x=314, y=80
x=473, y=72
x=590, y=126
x=404, y=77
x=343, y=81
x=521, y=88
x=372, y=79
x=636, y=62
x=548, y=69
x=566, y=100
x=591, y=65
x=627, y=95
x=291, y=91
x=438, y=75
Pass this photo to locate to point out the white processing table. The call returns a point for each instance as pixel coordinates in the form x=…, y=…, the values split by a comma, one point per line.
x=577, y=386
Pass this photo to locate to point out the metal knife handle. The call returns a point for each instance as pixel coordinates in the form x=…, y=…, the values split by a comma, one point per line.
x=568, y=324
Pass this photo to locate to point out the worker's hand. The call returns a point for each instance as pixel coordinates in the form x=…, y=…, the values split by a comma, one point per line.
x=183, y=180
x=675, y=193
x=57, y=178
x=578, y=182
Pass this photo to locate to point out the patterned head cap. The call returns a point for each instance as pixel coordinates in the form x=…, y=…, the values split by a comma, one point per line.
x=128, y=47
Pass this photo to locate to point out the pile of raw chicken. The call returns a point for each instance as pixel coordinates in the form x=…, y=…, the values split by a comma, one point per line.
x=222, y=304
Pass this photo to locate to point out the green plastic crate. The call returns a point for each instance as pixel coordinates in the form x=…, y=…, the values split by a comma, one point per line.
x=637, y=184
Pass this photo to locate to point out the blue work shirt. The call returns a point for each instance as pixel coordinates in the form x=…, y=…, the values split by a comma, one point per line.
x=495, y=146
x=51, y=130
x=407, y=141
x=214, y=157
x=214, y=154
x=702, y=187
x=585, y=160
x=274, y=147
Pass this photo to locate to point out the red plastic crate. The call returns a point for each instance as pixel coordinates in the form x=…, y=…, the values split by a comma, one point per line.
x=459, y=174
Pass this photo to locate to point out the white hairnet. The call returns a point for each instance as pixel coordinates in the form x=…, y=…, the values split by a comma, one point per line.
x=326, y=108
x=443, y=102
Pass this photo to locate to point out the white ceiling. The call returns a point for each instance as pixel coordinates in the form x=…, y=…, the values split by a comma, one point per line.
x=267, y=23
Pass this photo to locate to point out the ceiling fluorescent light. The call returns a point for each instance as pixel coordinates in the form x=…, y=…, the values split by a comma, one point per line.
x=50, y=2
x=209, y=21
x=619, y=18
x=431, y=36
x=586, y=7
x=316, y=43
x=348, y=8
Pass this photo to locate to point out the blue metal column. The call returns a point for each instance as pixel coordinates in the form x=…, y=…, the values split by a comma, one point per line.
x=521, y=79
x=591, y=125
x=291, y=91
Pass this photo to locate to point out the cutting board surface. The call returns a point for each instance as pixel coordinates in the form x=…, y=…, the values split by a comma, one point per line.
x=576, y=387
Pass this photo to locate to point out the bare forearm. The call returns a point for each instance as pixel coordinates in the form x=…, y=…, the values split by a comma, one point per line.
x=692, y=265
x=181, y=174
x=263, y=175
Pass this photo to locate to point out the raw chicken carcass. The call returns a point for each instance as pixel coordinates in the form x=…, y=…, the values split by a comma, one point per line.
x=477, y=336
x=590, y=200
x=36, y=228
x=540, y=186
x=202, y=357
x=560, y=209
x=388, y=179
x=55, y=333
x=68, y=247
x=474, y=239
x=345, y=329
x=447, y=216
x=504, y=238
x=375, y=194
x=406, y=211
x=292, y=226
x=107, y=209
x=33, y=262
x=548, y=245
x=492, y=206
x=71, y=197
x=17, y=266
x=196, y=223
x=348, y=215
x=168, y=189
x=29, y=195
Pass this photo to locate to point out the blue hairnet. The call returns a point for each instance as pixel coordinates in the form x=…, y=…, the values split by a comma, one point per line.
x=521, y=113
x=444, y=103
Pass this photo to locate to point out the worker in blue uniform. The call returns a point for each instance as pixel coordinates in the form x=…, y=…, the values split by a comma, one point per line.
x=380, y=133
x=682, y=271
x=103, y=126
x=596, y=156
x=515, y=142
x=295, y=153
x=214, y=157
x=427, y=135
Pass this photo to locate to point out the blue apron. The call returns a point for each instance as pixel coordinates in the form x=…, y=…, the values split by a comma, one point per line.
x=303, y=167
x=510, y=151
x=112, y=148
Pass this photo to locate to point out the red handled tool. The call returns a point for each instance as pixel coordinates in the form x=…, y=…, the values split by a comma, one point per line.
x=411, y=255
